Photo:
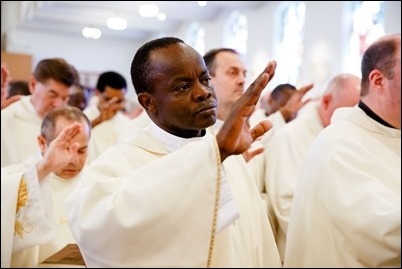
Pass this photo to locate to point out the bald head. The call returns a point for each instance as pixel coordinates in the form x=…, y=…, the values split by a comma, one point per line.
x=345, y=89
x=342, y=91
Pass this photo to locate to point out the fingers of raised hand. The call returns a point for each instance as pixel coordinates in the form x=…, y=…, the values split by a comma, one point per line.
x=69, y=132
x=73, y=147
x=270, y=69
x=260, y=129
x=306, y=88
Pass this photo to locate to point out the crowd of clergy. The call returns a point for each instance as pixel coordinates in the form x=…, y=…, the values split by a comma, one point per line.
x=203, y=171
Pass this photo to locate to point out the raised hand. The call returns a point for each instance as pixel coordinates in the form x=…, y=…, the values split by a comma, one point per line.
x=108, y=110
x=5, y=78
x=295, y=103
x=60, y=151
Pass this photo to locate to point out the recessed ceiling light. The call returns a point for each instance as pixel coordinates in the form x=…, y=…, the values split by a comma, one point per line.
x=116, y=23
x=91, y=33
x=162, y=16
x=148, y=10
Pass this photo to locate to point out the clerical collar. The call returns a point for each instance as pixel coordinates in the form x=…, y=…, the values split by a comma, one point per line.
x=372, y=115
x=172, y=142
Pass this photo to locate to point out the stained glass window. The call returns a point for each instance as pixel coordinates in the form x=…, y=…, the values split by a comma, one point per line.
x=196, y=37
x=236, y=33
x=289, y=52
x=367, y=26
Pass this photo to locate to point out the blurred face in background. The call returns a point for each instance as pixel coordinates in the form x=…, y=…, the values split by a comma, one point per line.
x=109, y=94
x=229, y=78
x=49, y=95
x=77, y=161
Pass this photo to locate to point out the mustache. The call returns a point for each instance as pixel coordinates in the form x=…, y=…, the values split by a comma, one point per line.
x=207, y=105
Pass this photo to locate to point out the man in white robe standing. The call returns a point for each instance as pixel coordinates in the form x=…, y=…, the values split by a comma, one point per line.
x=174, y=196
x=33, y=192
x=228, y=76
x=106, y=114
x=347, y=204
x=289, y=145
x=51, y=85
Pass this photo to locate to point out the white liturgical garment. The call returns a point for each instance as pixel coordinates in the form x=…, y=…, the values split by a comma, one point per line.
x=157, y=208
x=20, y=126
x=347, y=205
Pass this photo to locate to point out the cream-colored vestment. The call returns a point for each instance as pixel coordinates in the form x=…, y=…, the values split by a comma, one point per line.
x=147, y=207
x=20, y=126
x=347, y=205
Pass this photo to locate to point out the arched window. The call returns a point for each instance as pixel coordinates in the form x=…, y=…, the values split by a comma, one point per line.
x=289, y=51
x=367, y=26
x=195, y=37
x=236, y=33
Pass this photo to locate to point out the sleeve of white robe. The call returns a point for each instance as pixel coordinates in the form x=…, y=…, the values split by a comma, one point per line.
x=26, y=211
x=159, y=216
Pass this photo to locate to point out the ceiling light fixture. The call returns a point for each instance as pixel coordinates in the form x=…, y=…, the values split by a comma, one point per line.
x=148, y=10
x=202, y=3
x=162, y=16
x=116, y=23
x=91, y=33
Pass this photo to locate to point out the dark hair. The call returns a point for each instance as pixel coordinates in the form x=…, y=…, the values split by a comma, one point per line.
x=380, y=55
x=141, y=66
x=277, y=92
x=19, y=87
x=70, y=113
x=111, y=79
x=79, y=98
x=210, y=56
x=57, y=69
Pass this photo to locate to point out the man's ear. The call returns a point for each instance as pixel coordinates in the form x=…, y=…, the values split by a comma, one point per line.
x=42, y=143
x=31, y=84
x=376, y=77
x=147, y=102
x=326, y=100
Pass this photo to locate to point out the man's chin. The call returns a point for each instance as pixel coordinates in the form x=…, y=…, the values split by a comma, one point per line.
x=68, y=174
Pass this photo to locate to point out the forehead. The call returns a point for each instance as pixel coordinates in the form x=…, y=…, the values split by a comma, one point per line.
x=61, y=88
x=176, y=58
x=112, y=92
x=285, y=93
x=62, y=122
x=228, y=59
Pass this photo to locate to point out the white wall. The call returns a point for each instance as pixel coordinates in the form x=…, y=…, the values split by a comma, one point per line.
x=324, y=42
x=392, y=14
x=86, y=55
x=327, y=28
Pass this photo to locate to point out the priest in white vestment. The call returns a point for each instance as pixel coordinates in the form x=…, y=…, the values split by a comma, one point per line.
x=51, y=85
x=105, y=113
x=164, y=199
x=346, y=211
x=228, y=76
x=289, y=146
x=280, y=116
x=34, y=225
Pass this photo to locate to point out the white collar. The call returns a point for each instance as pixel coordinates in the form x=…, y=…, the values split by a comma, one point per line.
x=171, y=142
